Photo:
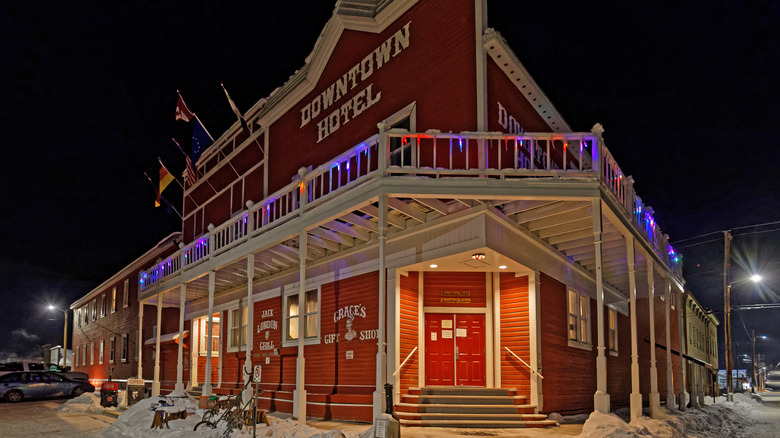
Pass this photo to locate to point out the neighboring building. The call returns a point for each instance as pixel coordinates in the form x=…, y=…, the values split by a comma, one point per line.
x=701, y=330
x=106, y=321
x=410, y=208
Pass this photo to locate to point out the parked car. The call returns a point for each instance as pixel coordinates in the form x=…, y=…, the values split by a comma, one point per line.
x=42, y=366
x=15, y=386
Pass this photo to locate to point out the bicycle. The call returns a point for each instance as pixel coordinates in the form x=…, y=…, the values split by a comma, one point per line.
x=234, y=415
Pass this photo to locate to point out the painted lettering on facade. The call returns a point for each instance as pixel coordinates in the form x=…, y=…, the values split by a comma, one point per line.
x=358, y=74
x=265, y=327
x=348, y=314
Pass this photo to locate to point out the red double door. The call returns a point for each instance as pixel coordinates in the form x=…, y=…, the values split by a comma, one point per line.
x=454, y=349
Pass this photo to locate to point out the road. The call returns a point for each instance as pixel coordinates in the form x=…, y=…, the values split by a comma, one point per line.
x=38, y=418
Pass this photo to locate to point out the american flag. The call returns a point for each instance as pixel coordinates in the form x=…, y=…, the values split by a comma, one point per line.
x=190, y=175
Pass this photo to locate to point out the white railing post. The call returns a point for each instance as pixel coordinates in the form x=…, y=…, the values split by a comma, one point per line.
x=383, y=149
x=595, y=151
x=210, y=243
x=250, y=226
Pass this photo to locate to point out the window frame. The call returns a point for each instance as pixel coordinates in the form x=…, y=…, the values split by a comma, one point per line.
x=102, y=349
x=113, y=300
x=126, y=298
x=612, y=331
x=125, y=347
x=581, y=319
x=112, y=350
x=86, y=314
x=94, y=309
x=92, y=353
x=287, y=339
x=244, y=310
x=202, y=322
x=78, y=317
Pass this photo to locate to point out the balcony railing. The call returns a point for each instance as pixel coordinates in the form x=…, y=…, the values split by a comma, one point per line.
x=436, y=155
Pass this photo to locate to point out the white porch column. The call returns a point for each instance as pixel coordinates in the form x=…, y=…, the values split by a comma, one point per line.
x=180, y=361
x=681, y=328
x=670, y=399
x=250, y=311
x=535, y=335
x=636, y=396
x=209, y=336
x=140, y=339
x=381, y=357
x=655, y=397
x=601, y=397
x=156, y=382
x=299, y=395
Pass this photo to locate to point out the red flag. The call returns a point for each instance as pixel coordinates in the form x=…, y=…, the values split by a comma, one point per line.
x=182, y=112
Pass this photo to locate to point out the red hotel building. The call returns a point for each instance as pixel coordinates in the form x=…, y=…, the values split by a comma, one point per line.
x=410, y=208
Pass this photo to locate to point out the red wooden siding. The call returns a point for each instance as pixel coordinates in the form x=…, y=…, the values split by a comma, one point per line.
x=436, y=70
x=501, y=89
x=409, y=330
x=436, y=282
x=569, y=373
x=514, y=328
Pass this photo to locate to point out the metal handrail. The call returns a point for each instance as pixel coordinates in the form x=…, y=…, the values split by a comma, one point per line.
x=523, y=362
x=404, y=362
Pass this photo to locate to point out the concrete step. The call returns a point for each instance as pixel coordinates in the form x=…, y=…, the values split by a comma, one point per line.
x=492, y=424
x=481, y=416
x=465, y=399
x=465, y=408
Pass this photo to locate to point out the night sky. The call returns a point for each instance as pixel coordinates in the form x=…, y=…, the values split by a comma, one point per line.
x=687, y=93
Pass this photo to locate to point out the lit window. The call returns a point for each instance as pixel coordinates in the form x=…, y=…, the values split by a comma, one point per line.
x=203, y=328
x=92, y=353
x=310, y=315
x=125, y=300
x=579, y=312
x=238, y=322
x=613, y=344
x=113, y=300
x=84, y=355
x=100, y=356
x=112, y=350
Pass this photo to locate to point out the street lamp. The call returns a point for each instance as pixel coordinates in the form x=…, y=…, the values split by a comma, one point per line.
x=64, y=336
x=727, y=311
x=753, y=365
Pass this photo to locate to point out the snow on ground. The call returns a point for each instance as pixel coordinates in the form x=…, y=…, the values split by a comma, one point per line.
x=743, y=418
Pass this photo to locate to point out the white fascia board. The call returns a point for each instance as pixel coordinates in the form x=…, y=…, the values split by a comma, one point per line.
x=497, y=48
x=305, y=79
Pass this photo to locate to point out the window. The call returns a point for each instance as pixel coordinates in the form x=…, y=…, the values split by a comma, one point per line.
x=310, y=315
x=125, y=347
x=86, y=314
x=113, y=300
x=76, y=356
x=672, y=299
x=203, y=329
x=579, y=312
x=94, y=310
x=92, y=353
x=125, y=299
x=100, y=357
x=84, y=355
x=613, y=344
x=78, y=317
x=103, y=306
x=112, y=350
x=237, y=324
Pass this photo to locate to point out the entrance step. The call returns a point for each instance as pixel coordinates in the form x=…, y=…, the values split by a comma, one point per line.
x=468, y=407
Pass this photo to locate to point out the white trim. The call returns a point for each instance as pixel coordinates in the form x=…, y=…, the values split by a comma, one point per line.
x=492, y=285
x=463, y=310
x=231, y=348
x=302, y=314
x=580, y=345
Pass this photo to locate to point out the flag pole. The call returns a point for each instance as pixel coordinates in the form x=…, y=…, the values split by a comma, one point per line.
x=174, y=178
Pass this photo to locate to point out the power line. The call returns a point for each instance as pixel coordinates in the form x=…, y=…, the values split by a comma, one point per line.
x=732, y=229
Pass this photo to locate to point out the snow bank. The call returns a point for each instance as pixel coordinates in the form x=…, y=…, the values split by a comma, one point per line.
x=710, y=421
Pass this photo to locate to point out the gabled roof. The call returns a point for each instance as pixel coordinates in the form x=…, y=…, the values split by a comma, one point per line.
x=361, y=8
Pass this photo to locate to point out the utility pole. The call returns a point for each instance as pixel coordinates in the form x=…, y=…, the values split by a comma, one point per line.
x=753, y=364
x=727, y=313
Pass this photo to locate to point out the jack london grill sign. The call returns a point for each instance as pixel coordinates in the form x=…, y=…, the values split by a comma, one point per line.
x=322, y=109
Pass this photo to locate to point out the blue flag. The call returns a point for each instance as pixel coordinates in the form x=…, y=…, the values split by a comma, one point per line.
x=201, y=139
